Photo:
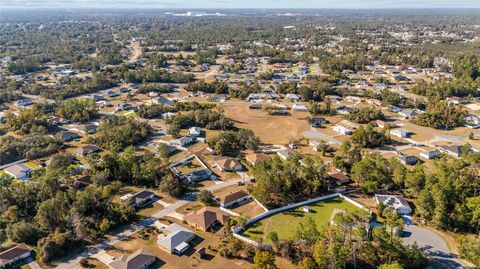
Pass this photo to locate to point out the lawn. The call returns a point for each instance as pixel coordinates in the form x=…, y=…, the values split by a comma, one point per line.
x=284, y=224
x=192, y=166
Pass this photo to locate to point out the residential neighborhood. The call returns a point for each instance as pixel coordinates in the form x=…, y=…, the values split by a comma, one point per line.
x=304, y=137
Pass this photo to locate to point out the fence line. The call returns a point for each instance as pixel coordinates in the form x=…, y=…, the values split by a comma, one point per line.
x=237, y=230
x=288, y=207
x=230, y=212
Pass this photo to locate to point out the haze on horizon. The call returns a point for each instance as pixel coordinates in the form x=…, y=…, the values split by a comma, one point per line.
x=245, y=4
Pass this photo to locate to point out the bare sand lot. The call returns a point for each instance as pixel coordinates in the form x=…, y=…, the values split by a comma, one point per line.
x=271, y=129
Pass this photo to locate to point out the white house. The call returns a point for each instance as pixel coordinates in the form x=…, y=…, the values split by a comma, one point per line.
x=299, y=107
x=339, y=129
x=292, y=97
x=177, y=239
x=396, y=202
x=430, y=154
x=181, y=142
x=194, y=132
x=401, y=133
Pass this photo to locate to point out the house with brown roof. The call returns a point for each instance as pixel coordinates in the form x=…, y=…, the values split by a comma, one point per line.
x=206, y=218
x=228, y=165
x=138, y=260
x=232, y=198
x=337, y=177
x=14, y=254
x=256, y=158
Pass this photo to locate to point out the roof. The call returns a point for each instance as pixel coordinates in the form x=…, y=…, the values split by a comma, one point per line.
x=136, y=260
x=12, y=253
x=178, y=235
x=232, y=196
x=17, y=170
x=143, y=194
x=206, y=217
x=336, y=174
x=256, y=158
x=457, y=150
x=228, y=163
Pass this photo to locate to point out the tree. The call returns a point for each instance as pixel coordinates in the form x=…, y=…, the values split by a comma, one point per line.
x=273, y=237
x=394, y=265
x=206, y=197
x=307, y=231
x=264, y=260
x=307, y=263
x=172, y=186
x=470, y=248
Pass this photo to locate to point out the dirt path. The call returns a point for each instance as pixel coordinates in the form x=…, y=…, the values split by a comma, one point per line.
x=137, y=52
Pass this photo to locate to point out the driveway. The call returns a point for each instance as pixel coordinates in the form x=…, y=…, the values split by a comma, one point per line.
x=432, y=244
x=98, y=251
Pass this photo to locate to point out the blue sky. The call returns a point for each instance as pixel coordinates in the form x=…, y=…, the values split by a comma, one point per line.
x=196, y=4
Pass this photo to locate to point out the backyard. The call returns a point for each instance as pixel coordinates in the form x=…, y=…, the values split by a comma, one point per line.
x=285, y=223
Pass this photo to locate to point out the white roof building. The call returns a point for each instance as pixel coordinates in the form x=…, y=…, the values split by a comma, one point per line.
x=396, y=202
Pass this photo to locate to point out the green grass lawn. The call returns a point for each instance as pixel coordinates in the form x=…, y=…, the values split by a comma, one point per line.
x=284, y=224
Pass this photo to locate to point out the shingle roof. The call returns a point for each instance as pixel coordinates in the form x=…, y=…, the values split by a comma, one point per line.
x=233, y=196
x=134, y=261
x=206, y=217
x=12, y=253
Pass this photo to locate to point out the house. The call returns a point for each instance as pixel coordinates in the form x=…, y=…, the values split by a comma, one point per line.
x=256, y=158
x=181, y=142
x=453, y=150
x=23, y=103
x=455, y=100
x=177, y=239
x=408, y=113
x=84, y=151
x=293, y=78
x=54, y=121
x=140, y=198
x=299, y=107
x=220, y=98
x=68, y=136
x=234, y=198
x=285, y=154
x=344, y=110
x=160, y=100
x=318, y=121
x=430, y=154
x=96, y=97
x=140, y=259
x=401, y=133
x=255, y=106
x=194, y=132
x=408, y=159
x=269, y=89
x=400, y=78
x=472, y=121
x=13, y=255
x=395, y=202
x=112, y=94
x=200, y=175
x=206, y=218
x=82, y=182
x=123, y=106
x=337, y=177
x=339, y=129
x=19, y=171
x=292, y=97
x=228, y=165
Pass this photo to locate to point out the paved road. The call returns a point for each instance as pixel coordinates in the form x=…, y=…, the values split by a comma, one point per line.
x=432, y=243
x=98, y=251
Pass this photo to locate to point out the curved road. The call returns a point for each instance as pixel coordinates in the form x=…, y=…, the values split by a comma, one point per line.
x=432, y=244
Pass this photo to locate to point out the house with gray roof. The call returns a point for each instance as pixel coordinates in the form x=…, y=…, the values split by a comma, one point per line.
x=19, y=171
x=177, y=239
x=139, y=259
